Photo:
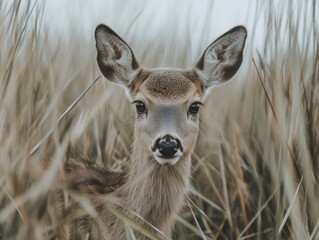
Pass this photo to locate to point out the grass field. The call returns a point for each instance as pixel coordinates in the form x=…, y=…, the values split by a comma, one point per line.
x=256, y=165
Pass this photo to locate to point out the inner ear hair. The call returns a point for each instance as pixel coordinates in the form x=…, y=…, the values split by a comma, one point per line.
x=222, y=58
x=114, y=56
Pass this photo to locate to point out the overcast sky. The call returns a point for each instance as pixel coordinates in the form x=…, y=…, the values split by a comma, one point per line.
x=151, y=17
x=147, y=23
x=160, y=22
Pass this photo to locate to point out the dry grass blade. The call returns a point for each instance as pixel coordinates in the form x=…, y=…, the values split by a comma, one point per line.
x=289, y=208
x=36, y=147
x=274, y=114
x=264, y=88
x=212, y=204
x=189, y=226
x=256, y=216
x=315, y=232
x=225, y=190
x=202, y=234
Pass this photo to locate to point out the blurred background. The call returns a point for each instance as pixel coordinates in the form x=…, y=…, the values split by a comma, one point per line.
x=255, y=169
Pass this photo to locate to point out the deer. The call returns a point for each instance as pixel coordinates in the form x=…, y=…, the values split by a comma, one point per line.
x=167, y=103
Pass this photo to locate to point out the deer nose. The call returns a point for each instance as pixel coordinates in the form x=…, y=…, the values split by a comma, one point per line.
x=168, y=146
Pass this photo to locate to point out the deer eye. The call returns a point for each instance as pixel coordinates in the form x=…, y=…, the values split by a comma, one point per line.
x=194, y=108
x=140, y=107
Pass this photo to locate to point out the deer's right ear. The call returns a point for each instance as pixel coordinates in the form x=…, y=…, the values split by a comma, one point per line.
x=115, y=58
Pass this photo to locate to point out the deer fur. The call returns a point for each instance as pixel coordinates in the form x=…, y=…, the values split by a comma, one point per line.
x=154, y=186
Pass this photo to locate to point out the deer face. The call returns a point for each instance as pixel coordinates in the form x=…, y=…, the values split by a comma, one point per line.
x=168, y=100
x=167, y=109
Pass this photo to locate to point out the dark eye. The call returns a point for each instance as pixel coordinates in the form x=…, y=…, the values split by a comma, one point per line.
x=194, y=108
x=140, y=107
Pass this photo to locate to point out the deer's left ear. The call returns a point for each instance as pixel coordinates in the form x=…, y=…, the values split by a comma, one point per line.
x=222, y=58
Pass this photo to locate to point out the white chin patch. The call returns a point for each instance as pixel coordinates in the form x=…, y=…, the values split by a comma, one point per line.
x=166, y=161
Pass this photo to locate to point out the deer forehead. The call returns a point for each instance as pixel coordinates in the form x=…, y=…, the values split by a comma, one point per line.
x=169, y=86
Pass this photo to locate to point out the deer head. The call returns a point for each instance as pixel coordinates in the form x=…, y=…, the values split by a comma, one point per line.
x=168, y=100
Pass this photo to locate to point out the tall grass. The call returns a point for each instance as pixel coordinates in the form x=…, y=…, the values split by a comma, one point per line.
x=255, y=169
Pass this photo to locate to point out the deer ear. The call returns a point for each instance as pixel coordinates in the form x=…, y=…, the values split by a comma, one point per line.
x=221, y=59
x=115, y=58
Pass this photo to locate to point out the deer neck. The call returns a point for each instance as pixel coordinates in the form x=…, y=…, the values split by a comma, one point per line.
x=154, y=191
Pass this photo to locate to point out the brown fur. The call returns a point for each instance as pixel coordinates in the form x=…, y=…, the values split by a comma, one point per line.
x=93, y=179
x=167, y=84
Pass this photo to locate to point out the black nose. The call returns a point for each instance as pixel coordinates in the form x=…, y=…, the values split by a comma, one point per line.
x=167, y=146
